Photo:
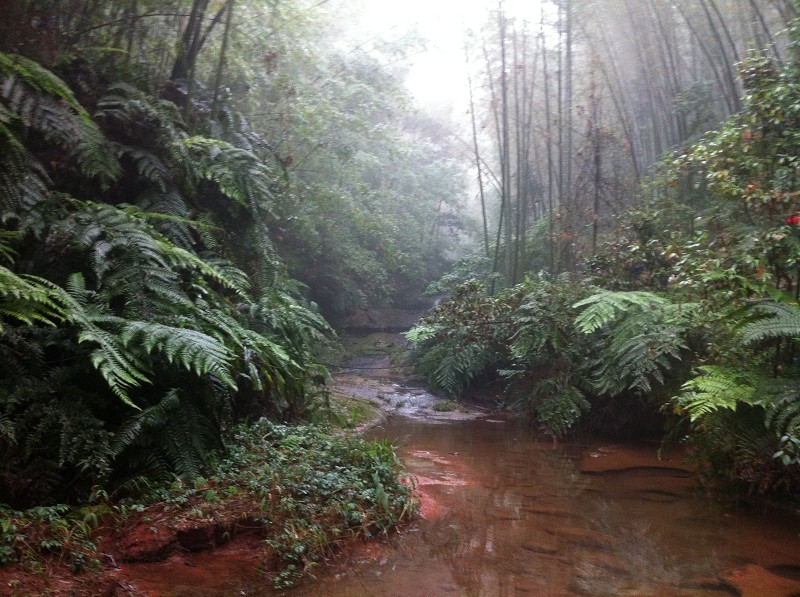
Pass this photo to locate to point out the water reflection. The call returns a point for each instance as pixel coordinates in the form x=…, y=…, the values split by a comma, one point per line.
x=507, y=514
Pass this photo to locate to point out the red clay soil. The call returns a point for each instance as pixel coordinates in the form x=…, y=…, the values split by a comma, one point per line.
x=182, y=545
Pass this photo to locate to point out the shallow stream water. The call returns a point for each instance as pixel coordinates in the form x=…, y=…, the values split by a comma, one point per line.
x=505, y=513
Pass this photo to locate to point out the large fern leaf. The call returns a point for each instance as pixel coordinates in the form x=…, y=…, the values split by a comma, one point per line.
x=718, y=388
x=189, y=348
x=780, y=320
x=603, y=307
x=45, y=103
x=28, y=299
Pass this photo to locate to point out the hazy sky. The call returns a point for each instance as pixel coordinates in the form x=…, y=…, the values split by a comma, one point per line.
x=437, y=76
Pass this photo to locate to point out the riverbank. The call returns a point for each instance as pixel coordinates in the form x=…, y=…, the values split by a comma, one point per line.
x=280, y=502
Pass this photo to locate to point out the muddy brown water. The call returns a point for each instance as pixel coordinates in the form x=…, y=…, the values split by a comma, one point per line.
x=505, y=512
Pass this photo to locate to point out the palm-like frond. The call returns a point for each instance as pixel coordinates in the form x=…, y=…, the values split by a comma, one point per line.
x=28, y=299
x=642, y=338
x=188, y=348
x=719, y=388
x=780, y=320
x=175, y=434
x=603, y=307
x=46, y=104
x=239, y=174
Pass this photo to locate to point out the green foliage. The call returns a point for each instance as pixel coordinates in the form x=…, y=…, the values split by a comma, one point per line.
x=778, y=321
x=526, y=335
x=559, y=405
x=462, y=339
x=27, y=299
x=308, y=489
x=718, y=388
x=643, y=337
x=133, y=296
x=316, y=488
x=28, y=537
x=782, y=417
x=606, y=306
x=37, y=100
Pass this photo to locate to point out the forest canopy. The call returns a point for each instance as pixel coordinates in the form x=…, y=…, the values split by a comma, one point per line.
x=191, y=190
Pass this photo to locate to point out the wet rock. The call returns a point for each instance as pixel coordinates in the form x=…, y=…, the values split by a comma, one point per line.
x=617, y=458
x=658, y=495
x=754, y=581
x=709, y=585
x=603, y=563
x=504, y=513
x=548, y=510
x=543, y=546
x=584, y=537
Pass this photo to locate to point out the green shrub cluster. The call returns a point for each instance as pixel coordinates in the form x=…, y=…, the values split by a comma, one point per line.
x=308, y=489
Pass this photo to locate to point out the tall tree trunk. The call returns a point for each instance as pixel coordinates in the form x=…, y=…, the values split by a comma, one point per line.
x=221, y=62
x=506, y=143
x=477, y=154
x=727, y=61
x=568, y=97
x=731, y=98
x=549, y=141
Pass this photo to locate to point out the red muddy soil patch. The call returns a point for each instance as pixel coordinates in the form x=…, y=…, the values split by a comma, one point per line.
x=229, y=568
x=754, y=581
x=429, y=507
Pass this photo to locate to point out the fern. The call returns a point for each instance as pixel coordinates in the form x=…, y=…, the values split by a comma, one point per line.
x=121, y=370
x=782, y=417
x=239, y=174
x=460, y=366
x=28, y=299
x=779, y=320
x=559, y=405
x=23, y=181
x=188, y=348
x=228, y=276
x=171, y=435
x=718, y=388
x=43, y=102
x=604, y=307
x=642, y=339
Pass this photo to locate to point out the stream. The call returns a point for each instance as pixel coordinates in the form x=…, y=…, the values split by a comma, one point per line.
x=506, y=512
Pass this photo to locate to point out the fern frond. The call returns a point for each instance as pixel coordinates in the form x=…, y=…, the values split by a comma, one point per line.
x=781, y=321
x=172, y=435
x=234, y=279
x=149, y=166
x=46, y=103
x=23, y=181
x=457, y=369
x=239, y=174
x=718, y=388
x=28, y=299
x=604, y=307
x=189, y=348
x=559, y=405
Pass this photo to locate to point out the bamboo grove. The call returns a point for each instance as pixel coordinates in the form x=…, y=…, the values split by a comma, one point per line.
x=639, y=276
x=572, y=112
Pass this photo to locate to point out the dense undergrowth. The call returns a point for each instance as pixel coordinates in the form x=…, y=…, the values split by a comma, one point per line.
x=684, y=321
x=305, y=489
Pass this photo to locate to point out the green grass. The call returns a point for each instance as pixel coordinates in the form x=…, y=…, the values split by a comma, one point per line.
x=445, y=406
